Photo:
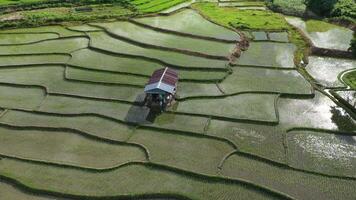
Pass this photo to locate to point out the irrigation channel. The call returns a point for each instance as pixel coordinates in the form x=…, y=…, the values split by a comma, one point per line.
x=249, y=128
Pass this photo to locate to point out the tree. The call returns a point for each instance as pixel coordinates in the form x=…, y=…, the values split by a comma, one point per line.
x=321, y=7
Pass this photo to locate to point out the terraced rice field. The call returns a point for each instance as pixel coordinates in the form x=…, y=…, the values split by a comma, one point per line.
x=71, y=124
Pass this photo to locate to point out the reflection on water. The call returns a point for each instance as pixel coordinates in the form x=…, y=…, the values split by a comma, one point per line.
x=326, y=70
x=319, y=112
x=337, y=38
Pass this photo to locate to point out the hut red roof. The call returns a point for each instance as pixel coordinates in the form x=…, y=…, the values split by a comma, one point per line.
x=162, y=79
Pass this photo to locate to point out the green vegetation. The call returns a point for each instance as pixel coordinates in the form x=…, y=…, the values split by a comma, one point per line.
x=290, y=7
x=255, y=20
x=242, y=19
x=63, y=14
x=6, y=2
x=350, y=79
x=144, y=6
x=339, y=9
x=71, y=110
x=320, y=26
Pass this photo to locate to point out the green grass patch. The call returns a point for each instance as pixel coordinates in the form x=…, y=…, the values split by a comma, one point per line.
x=242, y=19
x=350, y=79
x=320, y=26
x=152, y=6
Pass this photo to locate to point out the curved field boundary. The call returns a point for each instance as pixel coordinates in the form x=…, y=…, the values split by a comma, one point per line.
x=179, y=113
x=225, y=140
x=97, y=82
x=2, y=66
x=282, y=166
x=138, y=126
x=23, y=43
x=181, y=33
x=104, y=51
x=342, y=74
x=40, y=41
x=188, y=174
x=144, y=45
x=143, y=76
x=81, y=133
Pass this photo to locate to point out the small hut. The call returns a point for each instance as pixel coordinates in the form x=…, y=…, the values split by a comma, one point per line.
x=161, y=88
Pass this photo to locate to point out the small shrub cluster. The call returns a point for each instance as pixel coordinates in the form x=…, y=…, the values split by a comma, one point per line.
x=289, y=7
x=341, y=9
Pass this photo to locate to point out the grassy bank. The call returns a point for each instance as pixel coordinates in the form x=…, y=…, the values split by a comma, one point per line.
x=63, y=14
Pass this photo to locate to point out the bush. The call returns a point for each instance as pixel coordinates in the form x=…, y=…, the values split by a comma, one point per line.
x=346, y=8
x=321, y=7
x=289, y=7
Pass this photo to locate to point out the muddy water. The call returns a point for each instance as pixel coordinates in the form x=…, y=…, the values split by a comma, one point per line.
x=336, y=38
x=327, y=70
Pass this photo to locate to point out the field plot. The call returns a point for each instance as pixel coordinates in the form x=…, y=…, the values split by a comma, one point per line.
x=328, y=71
x=330, y=36
x=72, y=124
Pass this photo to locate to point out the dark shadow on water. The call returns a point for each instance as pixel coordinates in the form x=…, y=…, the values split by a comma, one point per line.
x=344, y=123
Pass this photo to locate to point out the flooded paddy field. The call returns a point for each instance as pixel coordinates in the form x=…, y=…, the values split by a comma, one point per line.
x=72, y=126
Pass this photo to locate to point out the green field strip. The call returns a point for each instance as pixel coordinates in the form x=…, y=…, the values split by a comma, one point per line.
x=190, y=23
x=73, y=73
x=182, y=151
x=103, y=128
x=105, y=42
x=90, y=59
x=242, y=4
x=24, y=97
x=83, y=28
x=269, y=54
x=178, y=7
x=66, y=148
x=190, y=90
x=278, y=36
x=262, y=140
x=132, y=180
x=39, y=59
x=248, y=79
x=120, y=111
x=322, y=152
x=97, y=127
x=298, y=184
x=52, y=78
x=61, y=30
x=63, y=45
x=25, y=38
x=258, y=107
x=156, y=39
x=327, y=71
x=159, y=5
x=8, y=191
